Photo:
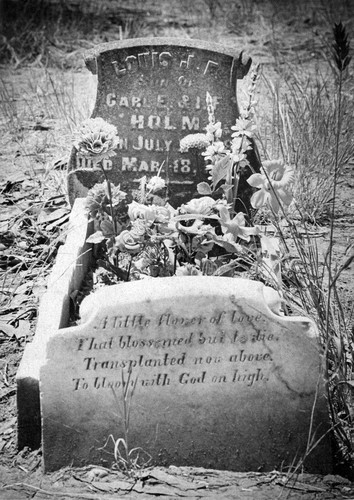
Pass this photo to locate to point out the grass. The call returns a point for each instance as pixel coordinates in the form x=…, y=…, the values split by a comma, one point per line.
x=45, y=33
x=302, y=128
x=312, y=131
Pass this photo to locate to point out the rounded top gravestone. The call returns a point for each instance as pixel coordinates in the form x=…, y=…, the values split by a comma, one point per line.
x=154, y=92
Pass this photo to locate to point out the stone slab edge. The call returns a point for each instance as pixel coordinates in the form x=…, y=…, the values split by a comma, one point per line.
x=67, y=274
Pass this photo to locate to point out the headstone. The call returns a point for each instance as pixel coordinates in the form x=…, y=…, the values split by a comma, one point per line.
x=154, y=92
x=212, y=376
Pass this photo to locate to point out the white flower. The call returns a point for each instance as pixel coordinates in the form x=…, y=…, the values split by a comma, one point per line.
x=198, y=141
x=200, y=206
x=214, y=131
x=280, y=177
x=96, y=139
x=243, y=126
x=155, y=184
x=214, y=151
x=188, y=270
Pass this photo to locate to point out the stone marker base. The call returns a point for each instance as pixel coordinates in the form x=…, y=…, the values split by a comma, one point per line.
x=71, y=265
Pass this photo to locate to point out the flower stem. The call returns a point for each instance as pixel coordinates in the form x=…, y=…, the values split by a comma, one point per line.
x=334, y=196
x=114, y=222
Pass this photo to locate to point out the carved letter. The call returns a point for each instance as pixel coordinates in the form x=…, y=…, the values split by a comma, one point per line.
x=123, y=143
x=129, y=62
x=149, y=144
x=142, y=58
x=154, y=58
x=161, y=100
x=140, y=143
x=119, y=71
x=136, y=102
x=211, y=65
x=144, y=166
x=154, y=122
x=137, y=121
x=185, y=64
x=165, y=59
x=123, y=101
x=107, y=164
x=190, y=124
x=168, y=125
x=129, y=164
x=155, y=165
x=111, y=99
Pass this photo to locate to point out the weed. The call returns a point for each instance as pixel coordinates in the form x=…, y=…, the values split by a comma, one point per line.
x=51, y=33
x=310, y=285
x=126, y=459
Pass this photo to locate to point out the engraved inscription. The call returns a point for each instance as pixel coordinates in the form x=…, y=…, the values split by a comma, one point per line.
x=161, y=60
x=192, y=350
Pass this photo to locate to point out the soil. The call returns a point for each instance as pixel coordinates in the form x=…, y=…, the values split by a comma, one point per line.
x=40, y=107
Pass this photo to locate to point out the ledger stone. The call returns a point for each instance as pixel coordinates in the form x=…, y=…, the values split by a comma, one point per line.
x=213, y=376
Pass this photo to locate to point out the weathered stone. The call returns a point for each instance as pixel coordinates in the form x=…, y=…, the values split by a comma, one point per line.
x=217, y=379
x=154, y=92
x=71, y=265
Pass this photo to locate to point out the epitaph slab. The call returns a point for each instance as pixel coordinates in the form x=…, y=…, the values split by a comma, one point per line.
x=154, y=92
x=219, y=379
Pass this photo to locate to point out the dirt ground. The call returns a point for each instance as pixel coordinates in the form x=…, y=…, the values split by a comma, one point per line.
x=40, y=107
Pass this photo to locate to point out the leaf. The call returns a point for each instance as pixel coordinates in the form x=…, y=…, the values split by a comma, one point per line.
x=60, y=164
x=23, y=329
x=45, y=217
x=113, y=486
x=194, y=216
x=7, y=329
x=96, y=237
x=9, y=213
x=57, y=222
x=158, y=489
x=226, y=187
x=14, y=178
x=221, y=170
x=204, y=188
x=107, y=228
x=24, y=288
x=123, y=275
x=175, y=481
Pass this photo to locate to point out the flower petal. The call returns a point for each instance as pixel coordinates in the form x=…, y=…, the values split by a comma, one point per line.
x=257, y=181
x=259, y=198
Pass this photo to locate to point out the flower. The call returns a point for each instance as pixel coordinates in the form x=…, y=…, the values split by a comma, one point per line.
x=126, y=241
x=205, y=241
x=188, y=270
x=243, y=126
x=97, y=198
x=214, y=131
x=138, y=230
x=236, y=226
x=273, y=185
x=96, y=139
x=200, y=206
x=198, y=141
x=151, y=213
x=198, y=227
x=155, y=184
x=215, y=151
x=137, y=210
